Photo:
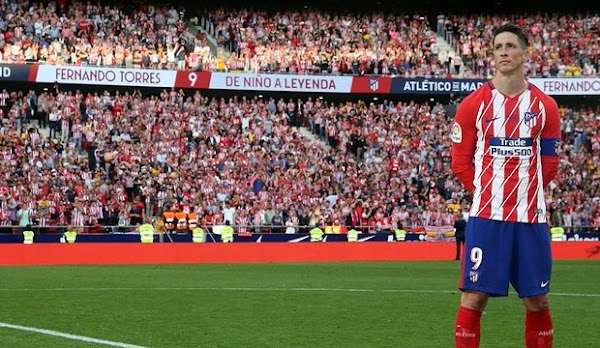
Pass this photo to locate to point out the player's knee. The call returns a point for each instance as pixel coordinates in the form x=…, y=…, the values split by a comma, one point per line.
x=474, y=300
x=536, y=303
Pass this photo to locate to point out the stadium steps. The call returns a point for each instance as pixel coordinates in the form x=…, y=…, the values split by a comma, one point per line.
x=310, y=136
x=307, y=133
x=204, y=26
x=44, y=132
x=444, y=46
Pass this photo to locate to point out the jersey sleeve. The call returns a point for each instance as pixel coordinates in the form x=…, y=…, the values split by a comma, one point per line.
x=463, y=135
x=550, y=142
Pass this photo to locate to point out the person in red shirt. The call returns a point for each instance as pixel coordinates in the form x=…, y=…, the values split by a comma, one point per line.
x=505, y=138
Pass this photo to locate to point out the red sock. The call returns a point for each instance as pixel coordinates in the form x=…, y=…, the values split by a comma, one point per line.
x=466, y=334
x=538, y=329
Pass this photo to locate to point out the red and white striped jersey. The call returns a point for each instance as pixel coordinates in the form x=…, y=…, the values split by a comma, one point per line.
x=78, y=217
x=243, y=222
x=95, y=212
x=505, y=150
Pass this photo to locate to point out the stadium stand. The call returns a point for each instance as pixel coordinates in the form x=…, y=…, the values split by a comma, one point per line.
x=307, y=41
x=112, y=157
x=119, y=157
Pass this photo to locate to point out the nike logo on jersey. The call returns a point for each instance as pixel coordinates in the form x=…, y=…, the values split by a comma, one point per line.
x=488, y=120
x=544, y=284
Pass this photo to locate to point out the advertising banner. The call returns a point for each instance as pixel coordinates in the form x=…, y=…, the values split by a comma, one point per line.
x=429, y=234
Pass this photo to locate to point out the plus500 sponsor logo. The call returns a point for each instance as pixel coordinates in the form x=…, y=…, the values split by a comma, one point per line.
x=511, y=147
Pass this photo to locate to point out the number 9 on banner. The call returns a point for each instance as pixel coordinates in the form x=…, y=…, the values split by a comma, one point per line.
x=192, y=79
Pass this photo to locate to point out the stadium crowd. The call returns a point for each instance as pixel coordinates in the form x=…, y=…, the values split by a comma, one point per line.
x=90, y=34
x=304, y=42
x=564, y=45
x=115, y=159
x=317, y=42
x=314, y=41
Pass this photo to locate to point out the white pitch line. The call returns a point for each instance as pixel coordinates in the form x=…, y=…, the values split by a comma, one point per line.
x=406, y=291
x=68, y=336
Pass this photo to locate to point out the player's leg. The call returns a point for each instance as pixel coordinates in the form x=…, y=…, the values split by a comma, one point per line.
x=487, y=255
x=530, y=277
x=468, y=319
x=539, y=331
x=487, y=244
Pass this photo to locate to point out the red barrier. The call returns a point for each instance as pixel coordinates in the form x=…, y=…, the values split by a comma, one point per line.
x=130, y=253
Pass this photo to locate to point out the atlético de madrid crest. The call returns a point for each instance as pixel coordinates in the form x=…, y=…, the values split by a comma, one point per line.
x=374, y=84
x=530, y=118
x=473, y=276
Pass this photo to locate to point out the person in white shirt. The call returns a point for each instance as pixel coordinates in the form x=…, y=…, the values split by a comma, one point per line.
x=53, y=119
x=229, y=212
x=24, y=217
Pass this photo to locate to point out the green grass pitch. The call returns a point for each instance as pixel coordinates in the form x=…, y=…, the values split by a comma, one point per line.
x=361, y=305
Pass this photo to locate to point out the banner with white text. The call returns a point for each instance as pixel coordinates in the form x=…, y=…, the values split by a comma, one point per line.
x=382, y=85
x=106, y=76
x=281, y=83
x=15, y=72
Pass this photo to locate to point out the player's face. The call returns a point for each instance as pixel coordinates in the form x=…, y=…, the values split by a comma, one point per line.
x=509, y=55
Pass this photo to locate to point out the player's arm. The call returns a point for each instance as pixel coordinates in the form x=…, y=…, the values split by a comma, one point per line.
x=463, y=135
x=550, y=142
